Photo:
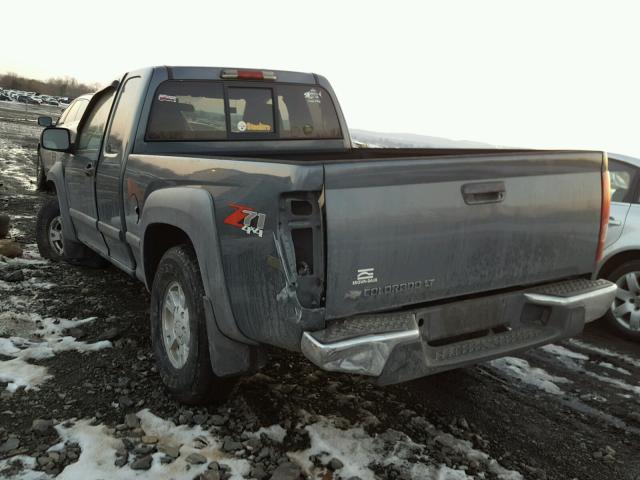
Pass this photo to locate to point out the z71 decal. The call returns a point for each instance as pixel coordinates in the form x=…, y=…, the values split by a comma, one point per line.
x=243, y=218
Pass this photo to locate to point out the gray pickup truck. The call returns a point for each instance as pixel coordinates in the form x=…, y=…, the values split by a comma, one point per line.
x=237, y=198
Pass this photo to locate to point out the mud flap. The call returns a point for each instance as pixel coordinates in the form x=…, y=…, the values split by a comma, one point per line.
x=229, y=357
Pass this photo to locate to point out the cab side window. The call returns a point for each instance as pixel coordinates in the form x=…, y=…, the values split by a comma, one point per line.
x=124, y=115
x=90, y=137
x=622, y=176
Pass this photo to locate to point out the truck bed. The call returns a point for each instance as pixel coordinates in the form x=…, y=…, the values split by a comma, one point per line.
x=357, y=154
x=418, y=225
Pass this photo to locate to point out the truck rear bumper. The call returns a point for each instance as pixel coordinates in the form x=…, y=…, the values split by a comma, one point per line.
x=400, y=346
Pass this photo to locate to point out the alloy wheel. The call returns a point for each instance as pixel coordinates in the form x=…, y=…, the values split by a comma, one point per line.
x=626, y=306
x=176, y=333
x=55, y=235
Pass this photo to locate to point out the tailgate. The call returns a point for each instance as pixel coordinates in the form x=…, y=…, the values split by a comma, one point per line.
x=412, y=230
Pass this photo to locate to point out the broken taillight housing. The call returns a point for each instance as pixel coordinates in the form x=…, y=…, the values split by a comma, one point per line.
x=604, y=210
x=302, y=230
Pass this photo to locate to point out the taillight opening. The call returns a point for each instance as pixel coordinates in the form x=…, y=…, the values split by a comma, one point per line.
x=300, y=226
x=604, y=213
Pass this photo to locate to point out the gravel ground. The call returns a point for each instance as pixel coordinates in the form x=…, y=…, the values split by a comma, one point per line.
x=80, y=396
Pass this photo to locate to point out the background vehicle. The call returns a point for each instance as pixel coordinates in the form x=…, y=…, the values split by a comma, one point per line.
x=237, y=197
x=69, y=119
x=621, y=260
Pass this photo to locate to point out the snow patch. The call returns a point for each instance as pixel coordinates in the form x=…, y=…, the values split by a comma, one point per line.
x=30, y=257
x=19, y=374
x=274, y=432
x=359, y=452
x=567, y=358
x=605, y=351
x=28, y=463
x=31, y=337
x=610, y=366
x=12, y=160
x=99, y=445
x=537, y=377
x=561, y=351
x=32, y=283
x=621, y=384
x=466, y=448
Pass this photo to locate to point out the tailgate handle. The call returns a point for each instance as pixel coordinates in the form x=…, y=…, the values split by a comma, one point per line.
x=485, y=192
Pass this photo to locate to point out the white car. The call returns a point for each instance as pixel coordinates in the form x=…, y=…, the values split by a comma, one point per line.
x=621, y=260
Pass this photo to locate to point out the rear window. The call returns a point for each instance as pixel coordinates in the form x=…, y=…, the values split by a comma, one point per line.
x=251, y=110
x=306, y=112
x=211, y=110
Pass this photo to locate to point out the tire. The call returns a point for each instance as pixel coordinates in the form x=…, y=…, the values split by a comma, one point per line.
x=629, y=295
x=186, y=374
x=41, y=177
x=49, y=221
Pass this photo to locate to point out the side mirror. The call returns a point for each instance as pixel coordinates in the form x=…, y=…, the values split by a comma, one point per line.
x=56, y=139
x=45, y=121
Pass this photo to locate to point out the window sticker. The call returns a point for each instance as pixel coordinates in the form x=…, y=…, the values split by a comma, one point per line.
x=313, y=96
x=258, y=127
x=167, y=98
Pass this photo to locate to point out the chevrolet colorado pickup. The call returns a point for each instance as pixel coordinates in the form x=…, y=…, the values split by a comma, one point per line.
x=237, y=198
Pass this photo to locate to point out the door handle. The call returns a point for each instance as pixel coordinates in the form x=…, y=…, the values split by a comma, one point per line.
x=614, y=223
x=485, y=192
x=88, y=170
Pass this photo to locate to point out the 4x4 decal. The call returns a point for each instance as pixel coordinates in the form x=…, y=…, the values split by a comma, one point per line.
x=243, y=218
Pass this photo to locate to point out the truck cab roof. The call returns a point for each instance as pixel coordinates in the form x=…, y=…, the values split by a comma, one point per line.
x=216, y=73
x=321, y=132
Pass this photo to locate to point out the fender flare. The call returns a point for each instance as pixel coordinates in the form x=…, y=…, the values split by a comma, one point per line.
x=191, y=209
x=56, y=175
x=73, y=247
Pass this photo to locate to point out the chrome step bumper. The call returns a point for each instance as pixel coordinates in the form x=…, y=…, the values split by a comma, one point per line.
x=595, y=296
x=400, y=346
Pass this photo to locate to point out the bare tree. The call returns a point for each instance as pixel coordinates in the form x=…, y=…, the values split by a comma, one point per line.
x=61, y=87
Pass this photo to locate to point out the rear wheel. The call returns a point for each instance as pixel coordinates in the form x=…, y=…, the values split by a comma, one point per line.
x=624, y=315
x=178, y=330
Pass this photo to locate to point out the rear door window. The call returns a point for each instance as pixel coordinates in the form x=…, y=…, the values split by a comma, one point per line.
x=622, y=176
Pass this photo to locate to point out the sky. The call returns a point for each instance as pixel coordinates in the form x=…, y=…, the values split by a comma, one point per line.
x=542, y=74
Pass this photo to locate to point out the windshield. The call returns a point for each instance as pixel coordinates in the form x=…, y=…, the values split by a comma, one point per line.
x=211, y=110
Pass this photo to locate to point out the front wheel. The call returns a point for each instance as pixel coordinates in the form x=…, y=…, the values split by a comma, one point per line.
x=41, y=177
x=178, y=330
x=624, y=315
x=49, y=231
